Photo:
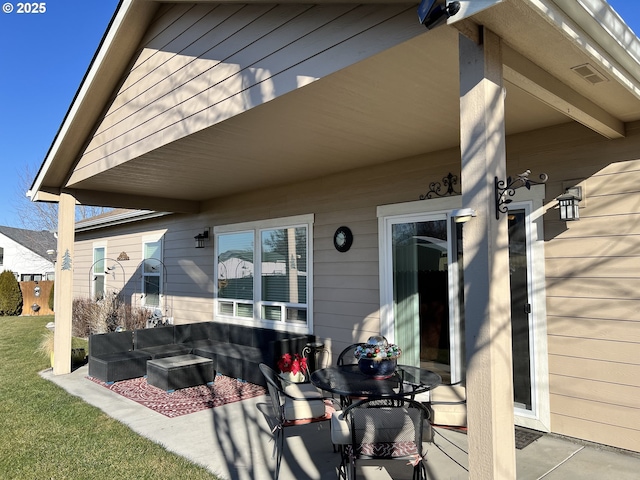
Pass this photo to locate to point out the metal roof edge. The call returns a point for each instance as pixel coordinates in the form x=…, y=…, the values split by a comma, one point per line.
x=95, y=223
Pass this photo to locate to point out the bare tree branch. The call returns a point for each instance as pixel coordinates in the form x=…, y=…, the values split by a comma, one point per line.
x=43, y=215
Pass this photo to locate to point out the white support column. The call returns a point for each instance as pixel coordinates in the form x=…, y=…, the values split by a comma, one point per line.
x=63, y=300
x=489, y=378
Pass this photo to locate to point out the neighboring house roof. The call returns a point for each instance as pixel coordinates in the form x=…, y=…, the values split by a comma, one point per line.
x=36, y=241
x=117, y=216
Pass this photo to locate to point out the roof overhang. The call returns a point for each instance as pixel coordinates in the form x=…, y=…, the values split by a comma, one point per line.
x=398, y=103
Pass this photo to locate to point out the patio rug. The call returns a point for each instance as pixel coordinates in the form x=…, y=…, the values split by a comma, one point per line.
x=187, y=400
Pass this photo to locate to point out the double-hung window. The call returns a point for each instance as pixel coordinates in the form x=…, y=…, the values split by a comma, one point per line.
x=98, y=269
x=263, y=271
x=152, y=271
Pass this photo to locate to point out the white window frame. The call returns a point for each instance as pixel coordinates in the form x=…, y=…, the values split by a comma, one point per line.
x=532, y=201
x=95, y=273
x=143, y=275
x=257, y=228
x=435, y=209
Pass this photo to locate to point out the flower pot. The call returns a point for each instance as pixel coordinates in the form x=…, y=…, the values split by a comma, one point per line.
x=291, y=377
x=378, y=369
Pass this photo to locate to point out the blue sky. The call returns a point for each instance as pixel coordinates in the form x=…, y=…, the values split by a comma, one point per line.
x=43, y=58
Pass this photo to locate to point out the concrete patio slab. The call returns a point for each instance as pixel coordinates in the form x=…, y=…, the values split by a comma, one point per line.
x=233, y=441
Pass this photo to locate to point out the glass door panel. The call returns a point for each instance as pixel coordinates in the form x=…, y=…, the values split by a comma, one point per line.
x=420, y=263
x=520, y=309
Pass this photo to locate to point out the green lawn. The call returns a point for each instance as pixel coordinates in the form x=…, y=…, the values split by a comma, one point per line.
x=45, y=433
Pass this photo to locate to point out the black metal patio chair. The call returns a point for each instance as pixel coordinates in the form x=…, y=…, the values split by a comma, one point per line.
x=390, y=429
x=291, y=404
x=346, y=357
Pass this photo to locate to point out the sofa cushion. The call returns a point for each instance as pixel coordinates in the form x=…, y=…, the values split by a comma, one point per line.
x=240, y=335
x=163, y=351
x=113, y=367
x=114, y=342
x=153, y=337
x=230, y=350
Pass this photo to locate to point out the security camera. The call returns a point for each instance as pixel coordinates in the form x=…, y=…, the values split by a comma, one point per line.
x=432, y=13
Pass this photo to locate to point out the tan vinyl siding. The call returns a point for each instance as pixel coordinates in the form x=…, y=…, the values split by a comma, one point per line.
x=188, y=288
x=202, y=64
x=592, y=265
x=593, y=279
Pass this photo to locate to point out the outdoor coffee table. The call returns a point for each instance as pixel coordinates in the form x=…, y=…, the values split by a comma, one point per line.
x=182, y=371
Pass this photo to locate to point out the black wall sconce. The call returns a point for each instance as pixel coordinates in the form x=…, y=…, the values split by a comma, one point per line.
x=201, y=237
x=506, y=189
x=569, y=203
x=432, y=13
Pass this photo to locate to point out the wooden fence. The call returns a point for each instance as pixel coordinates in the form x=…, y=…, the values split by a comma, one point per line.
x=35, y=297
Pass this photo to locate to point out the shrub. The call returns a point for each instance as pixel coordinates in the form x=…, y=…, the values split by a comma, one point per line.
x=105, y=315
x=84, y=312
x=10, y=294
x=135, y=317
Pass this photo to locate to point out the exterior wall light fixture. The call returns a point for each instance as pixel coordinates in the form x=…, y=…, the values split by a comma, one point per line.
x=463, y=215
x=569, y=204
x=201, y=237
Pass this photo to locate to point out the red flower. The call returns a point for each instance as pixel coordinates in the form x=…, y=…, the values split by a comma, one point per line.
x=294, y=364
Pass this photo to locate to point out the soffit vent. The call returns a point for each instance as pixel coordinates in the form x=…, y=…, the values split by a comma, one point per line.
x=590, y=74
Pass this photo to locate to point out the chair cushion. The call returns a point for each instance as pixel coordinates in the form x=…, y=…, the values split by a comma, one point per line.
x=391, y=424
x=452, y=415
x=305, y=390
x=301, y=409
x=340, y=432
x=386, y=450
x=448, y=406
x=448, y=393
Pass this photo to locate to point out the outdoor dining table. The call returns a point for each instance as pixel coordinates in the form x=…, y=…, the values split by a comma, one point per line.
x=349, y=382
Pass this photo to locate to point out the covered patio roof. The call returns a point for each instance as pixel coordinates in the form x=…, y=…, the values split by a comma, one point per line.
x=398, y=103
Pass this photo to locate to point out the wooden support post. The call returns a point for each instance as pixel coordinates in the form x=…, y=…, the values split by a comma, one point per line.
x=489, y=378
x=63, y=296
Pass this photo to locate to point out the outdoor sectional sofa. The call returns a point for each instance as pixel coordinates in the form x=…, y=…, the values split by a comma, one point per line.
x=236, y=351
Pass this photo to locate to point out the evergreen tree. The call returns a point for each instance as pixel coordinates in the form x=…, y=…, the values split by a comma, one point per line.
x=10, y=294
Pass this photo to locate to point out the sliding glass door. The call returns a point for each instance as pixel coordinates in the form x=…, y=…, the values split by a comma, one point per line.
x=422, y=287
x=424, y=281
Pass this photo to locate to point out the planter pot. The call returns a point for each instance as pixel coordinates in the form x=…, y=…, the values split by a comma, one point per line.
x=378, y=369
x=78, y=355
x=297, y=378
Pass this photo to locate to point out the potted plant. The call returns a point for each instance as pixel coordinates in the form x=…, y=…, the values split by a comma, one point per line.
x=46, y=345
x=377, y=358
x=293, y=367
x=78, y=355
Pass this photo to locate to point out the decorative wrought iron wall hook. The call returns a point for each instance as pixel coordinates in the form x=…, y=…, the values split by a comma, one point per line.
x=508, y=189
x=435, y=187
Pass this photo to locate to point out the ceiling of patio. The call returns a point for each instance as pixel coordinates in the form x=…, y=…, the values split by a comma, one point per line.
x=401, y=103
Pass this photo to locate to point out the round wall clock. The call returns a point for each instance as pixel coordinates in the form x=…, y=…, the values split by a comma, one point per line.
x=342, y=239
